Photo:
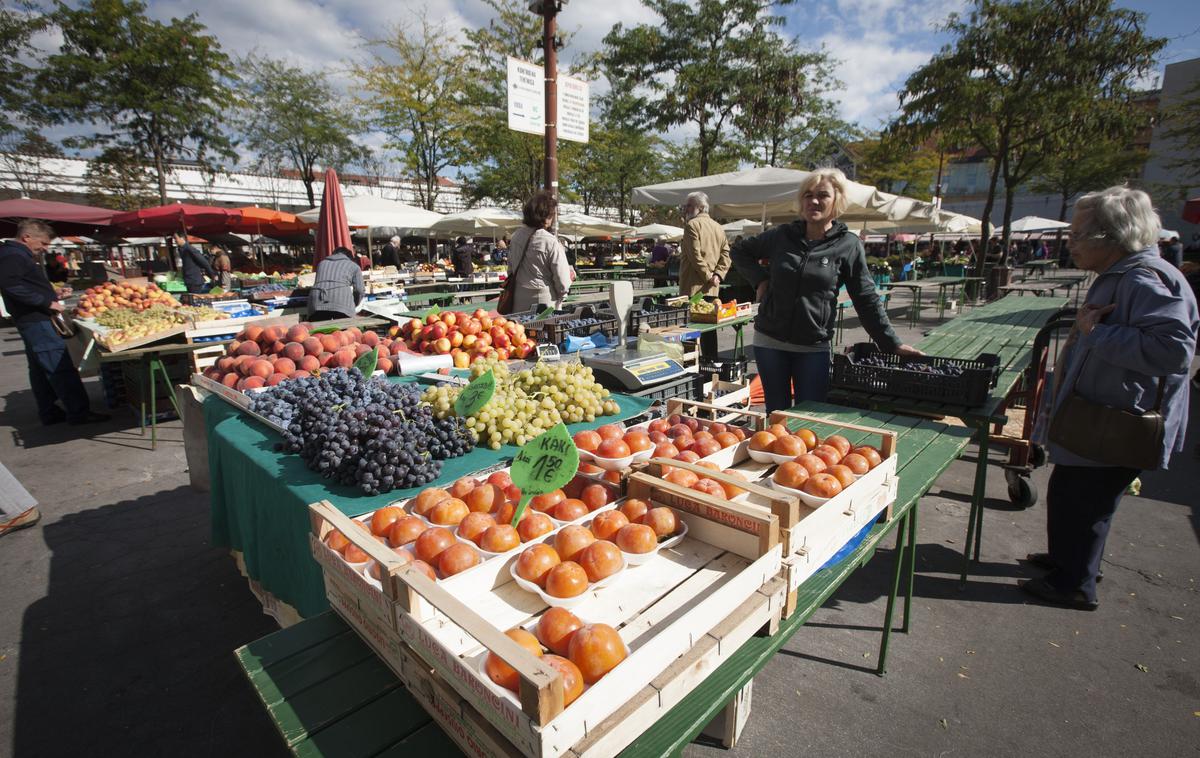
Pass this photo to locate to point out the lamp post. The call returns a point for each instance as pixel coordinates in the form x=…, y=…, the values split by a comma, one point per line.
x=548, y=10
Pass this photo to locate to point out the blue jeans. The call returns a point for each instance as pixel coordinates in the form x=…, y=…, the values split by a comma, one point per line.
x=52, y=374
x=789, y=378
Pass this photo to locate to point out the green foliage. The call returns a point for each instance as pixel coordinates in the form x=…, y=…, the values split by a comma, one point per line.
x=693, y=65
x=160, y=89
x=1181, y=126
x=118, y=179
x=23, y=152
x=289, y=116
x=415, y=82
x=618, y=157
x=894, y=166
x=19, y=21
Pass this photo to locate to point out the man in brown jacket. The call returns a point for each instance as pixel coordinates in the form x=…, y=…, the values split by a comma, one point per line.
x=705, y=259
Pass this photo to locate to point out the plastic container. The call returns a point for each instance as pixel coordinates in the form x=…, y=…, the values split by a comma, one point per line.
x=970, y=388
x=637, y=559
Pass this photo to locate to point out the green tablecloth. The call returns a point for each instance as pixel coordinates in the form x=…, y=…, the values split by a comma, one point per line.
x=260, y=498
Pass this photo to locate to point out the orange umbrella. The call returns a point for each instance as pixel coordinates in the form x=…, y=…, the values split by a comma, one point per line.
x=333, y=231
x=255, y=220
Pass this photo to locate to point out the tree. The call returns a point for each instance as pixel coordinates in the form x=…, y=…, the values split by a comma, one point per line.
x=18, y=23
x=1181, y=125
x=289, y=116
x=615, y=160
x=160, y=89
x=416, y=80
x=693, y=64
x=897, y=167
x=682, y=160
x=23, y=154
x=118, y=179
x=782, y=99
x=1014, y=77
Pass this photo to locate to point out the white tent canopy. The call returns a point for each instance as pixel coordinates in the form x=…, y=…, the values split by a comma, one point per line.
x=659, y=232
x=368, y=211
x=477, y=220
x=772, y=193
x=1037, y=224
x=580, y=225
x=740, y=226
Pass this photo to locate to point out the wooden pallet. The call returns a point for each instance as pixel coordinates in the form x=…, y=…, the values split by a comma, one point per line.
x=700, y=600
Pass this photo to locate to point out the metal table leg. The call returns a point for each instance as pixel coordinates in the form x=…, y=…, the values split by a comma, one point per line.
x=975, y=517
x=912, y=565
x=901, y=530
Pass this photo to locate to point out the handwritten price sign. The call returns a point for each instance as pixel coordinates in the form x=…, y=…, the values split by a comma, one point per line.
x=367, y=363
x=545, y=463
x=475, y=395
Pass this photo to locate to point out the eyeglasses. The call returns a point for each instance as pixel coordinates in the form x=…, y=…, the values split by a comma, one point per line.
x=1077, y=237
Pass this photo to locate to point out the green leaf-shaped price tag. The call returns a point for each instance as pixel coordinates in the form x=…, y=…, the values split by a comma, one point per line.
x=548, y=312
x=325, y=330
x=544, y=464
x=696, y=297
x=367, y=362
x=433, y=311
x=475, y=395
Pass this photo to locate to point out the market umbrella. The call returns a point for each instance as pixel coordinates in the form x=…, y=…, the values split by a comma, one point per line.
x=164, y=220
x=332, y=229
x=477, y=220
x=739, y=226
x=370, y=212
x=265, y=221
x=1191, y=211
x=1035, y=224
x=660, y=232
x=66, y=218
x=582, y=225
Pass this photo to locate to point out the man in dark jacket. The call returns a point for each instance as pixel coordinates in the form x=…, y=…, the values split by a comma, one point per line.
x=391, y=253
x=464, y=257
x=31, y=301
x=195, y=265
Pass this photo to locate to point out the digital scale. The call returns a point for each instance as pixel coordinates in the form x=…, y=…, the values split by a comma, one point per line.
x=623, y=369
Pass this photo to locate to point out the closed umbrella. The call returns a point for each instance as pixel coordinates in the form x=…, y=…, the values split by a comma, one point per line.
x=333, y=231
x=1191, y=211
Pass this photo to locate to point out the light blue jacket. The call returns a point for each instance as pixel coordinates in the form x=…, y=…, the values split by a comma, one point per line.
x=1151, y=333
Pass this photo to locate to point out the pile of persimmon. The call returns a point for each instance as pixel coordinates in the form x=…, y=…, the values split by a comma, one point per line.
x=684, y=438
x=707, y=485
x=568, y=564
x=611, y=441
x=581, y=653
x=823, y=469
x=635, y=527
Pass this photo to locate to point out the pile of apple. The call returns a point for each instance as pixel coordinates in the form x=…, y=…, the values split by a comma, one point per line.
x=111, y=295
x=467, y=337
x=265, y=356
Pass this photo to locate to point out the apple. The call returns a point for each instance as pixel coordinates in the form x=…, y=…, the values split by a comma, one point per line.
x=484, y=339
x=438, y=330
x=449, y=318
x=480, y=313
x=502, y=354
x=456, y=338
x=441, y=346
x=469, y=341
x=433, y=318
x=462, y=360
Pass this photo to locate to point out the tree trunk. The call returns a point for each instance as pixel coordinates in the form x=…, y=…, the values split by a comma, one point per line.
x=986, y=222
x=308, y=187
x=1010, y=192
x=160, y=170
x=703, y=146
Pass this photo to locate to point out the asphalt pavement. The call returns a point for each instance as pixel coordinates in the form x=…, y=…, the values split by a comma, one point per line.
x=120, y=618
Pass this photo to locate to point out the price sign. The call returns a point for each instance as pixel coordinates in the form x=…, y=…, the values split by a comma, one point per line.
x=475, y=395
x=433, y=311
x=544, y=464
x=696, y=297
x=325, y=330
x=547, y=312
x=367, y=362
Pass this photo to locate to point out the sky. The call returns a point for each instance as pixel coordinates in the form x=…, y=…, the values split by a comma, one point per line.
x=877, y=43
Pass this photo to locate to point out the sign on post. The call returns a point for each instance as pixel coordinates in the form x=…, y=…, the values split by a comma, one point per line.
x=573, y=109
x=526, y=96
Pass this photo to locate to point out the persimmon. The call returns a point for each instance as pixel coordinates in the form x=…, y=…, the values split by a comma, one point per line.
x=474, y=525
x=791, y=475
x=811, y=462
x=594, y=496
x=612, y=448
x=606, y=525
x=503, y=674
x=662, y=520
x=405, y=530
x=501, y=479
x=457, y=558
x=448, y=512
x=658, y=425
x=535, y=562
x=427, y=499
x=555, y=627
x=665, y=450
x=842, y=473
x=738, y=432
x=425, y=569
x=383, y=519
x=612, y=477
x=596, y=649
x=432, y=542
x=838, y=442
x=726, y=439
x=499, y=538
x=570, y=509
x=571, y=539
x=589, y=468
x=827, y=453
x=779, y=430
x=460, y=488
x=856, y=463
x=788, y=445
x=658, y=437
x=599, y=560
x=810, y=437
x=547, y=501
x=636, y=538
x=567, y=579
x=716, y=428
x=679, y=430
x=572, y=677
x=822, y=485
x=871, y=454
x=688, y=456
x=732, y=490
x=634, y=508
x=762, y=441
x=588, y=440
x=638, y=441
x=681, y=477
x=710, y=487
x=336, y=541
x=486, y=498
x=534, y=525
x=354, y=554
x=610, y=431
x=403, y=557
x=705, y=447
x=702, y=435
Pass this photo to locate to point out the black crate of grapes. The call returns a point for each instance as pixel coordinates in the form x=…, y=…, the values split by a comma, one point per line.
x=583, y=323
x=654, y=314
x=960, y=381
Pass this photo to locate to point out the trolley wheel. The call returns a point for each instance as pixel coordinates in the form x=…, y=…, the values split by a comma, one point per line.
x=1021, y=492
x=1037, y=455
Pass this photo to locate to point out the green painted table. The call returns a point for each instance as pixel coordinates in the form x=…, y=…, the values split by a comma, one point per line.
x=1006, y=327
x=329, y=695
x=917, y=288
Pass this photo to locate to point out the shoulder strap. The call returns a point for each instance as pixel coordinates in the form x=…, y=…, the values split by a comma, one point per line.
x=524, y=255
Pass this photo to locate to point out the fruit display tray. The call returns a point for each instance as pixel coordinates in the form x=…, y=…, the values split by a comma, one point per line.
x=970, y=388
x=700, y=600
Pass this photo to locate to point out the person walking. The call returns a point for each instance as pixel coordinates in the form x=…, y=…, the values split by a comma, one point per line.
x=223, y=267
x=195, y=265
x=32, y=302
x=808, y=261
x=705, y=260
x=537, y=260
x=391, y=252
x=1128, y=354
x=338, y=288
x=463, y=257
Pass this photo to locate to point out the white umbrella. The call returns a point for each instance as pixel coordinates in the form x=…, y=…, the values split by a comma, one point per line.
x=1036, y=224
x=476, y=220
x=368, y=211
x=659, y=232
x=740, y=226
x=772, y=193
x=590, y=226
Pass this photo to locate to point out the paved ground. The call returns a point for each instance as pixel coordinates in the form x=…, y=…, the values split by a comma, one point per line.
x=120, y=618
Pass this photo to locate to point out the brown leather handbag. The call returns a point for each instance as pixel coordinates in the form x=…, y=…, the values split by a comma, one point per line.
x=508, y=293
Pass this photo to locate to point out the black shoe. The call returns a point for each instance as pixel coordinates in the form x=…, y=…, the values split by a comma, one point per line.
x=1043, y=561
x=91, y=418
x=54, y=420
x=1042, y=590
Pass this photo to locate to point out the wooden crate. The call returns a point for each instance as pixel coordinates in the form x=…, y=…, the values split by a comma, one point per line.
x=670, y=607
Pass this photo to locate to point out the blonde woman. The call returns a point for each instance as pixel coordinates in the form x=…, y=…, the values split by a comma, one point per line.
x=807, y=261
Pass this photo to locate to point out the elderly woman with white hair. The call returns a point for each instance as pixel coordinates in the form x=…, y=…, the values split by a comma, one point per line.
x=1120, y=400
x=807, y=261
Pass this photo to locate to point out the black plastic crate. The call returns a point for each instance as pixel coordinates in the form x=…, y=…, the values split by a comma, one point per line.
x=687, y=387
x=201, y=299
x=729, y=371
x=554, y=330
x=655, y=314
x=969, y=388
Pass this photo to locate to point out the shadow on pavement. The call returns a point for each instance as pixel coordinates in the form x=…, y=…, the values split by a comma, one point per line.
x=130, y=652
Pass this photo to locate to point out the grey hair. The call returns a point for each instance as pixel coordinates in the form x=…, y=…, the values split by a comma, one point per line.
x=1123, y=216
x=698, y=200
x=394, y=239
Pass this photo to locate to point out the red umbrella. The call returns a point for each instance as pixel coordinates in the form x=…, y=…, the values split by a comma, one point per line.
x=333, y=231
x=164, y=220
x=1191, y=211
x=66, y=218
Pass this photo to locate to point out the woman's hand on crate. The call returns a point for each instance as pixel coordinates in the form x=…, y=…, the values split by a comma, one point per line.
x=908, y=350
